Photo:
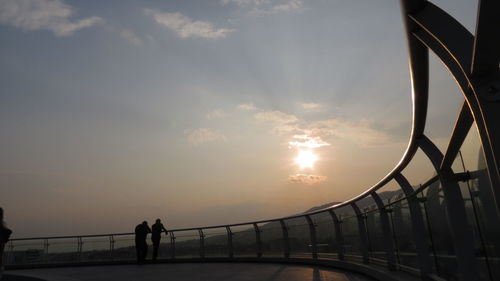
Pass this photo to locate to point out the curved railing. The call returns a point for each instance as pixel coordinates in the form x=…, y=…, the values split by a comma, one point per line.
x=446, y=227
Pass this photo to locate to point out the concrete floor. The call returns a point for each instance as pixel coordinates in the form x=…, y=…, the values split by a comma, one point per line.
x=192, y=272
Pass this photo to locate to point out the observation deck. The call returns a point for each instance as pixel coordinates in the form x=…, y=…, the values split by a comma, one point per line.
x=445, y=228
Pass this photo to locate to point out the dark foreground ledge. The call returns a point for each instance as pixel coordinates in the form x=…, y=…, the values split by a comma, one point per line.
x=10, y=277
x=299, y=270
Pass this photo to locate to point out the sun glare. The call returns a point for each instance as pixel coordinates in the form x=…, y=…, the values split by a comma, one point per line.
x=306, y=159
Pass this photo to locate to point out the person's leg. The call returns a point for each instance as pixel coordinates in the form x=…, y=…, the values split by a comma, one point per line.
x=156, y=245
x=138, y=251
x=1, y=259
x=145, y=251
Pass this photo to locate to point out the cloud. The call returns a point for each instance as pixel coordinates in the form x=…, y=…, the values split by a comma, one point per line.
x=311, y=106
x=312, y=134
x=247, y=107
x=185, y=27
x=258, y=7
x=203, y=135
x=130, y=36
x=284, y=124
x=52, y=15
x=359, y=132
x=305, y=141
x=218, y=113
x=276, y=116
x=288, y=6
x=306, y=179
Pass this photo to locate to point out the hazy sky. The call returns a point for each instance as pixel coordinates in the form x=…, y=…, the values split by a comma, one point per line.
x=112, y=112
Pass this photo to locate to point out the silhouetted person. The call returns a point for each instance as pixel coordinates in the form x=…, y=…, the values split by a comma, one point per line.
x=141, y=247
x=156, y=236
x=4, y=237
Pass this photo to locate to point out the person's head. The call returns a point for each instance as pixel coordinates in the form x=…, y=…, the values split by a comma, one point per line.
x=158, y=221
x=144, y=223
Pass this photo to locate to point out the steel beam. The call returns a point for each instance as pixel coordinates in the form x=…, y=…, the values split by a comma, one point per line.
x=111, y=245
x=363, y=238
x=312, y=234
x=386, y=230
x=172, y=244
x=456, y=47
x=337, y=223
x=79, y=247
x=230, y=250
x=418, y=227
x=202, y=243
x=460, y=131
x=419, y=66
x=486, y=54
x=461, y=231
x=286, y=241
x=258, y=241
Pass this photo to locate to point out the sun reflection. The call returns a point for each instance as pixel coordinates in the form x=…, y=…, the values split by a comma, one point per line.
x=306, y=159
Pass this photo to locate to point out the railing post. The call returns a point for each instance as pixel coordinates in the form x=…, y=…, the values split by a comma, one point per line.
x=79, y=248
x=286, y=241
x=45, y=249
x=258, y=242
x=338, y=234
x=202, y=243
x=418, y=226
x=312, y=233
x=461, y=231
x=386, y=230
x=363, y=239
x=172, y=244
x=424, y=200
x=111, y=246
x=229, y=242
x=10, y=254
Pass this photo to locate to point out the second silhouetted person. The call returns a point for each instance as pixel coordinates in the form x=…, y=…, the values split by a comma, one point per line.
x=158, y=228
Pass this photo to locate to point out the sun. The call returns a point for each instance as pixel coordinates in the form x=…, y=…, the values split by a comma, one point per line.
x=306, y=159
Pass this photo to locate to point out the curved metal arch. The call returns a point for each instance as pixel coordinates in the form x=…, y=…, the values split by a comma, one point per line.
x=467, y=57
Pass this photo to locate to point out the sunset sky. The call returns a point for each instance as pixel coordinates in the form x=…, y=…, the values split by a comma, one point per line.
x=203, y=112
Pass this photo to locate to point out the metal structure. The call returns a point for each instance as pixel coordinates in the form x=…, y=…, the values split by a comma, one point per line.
x=445, y=228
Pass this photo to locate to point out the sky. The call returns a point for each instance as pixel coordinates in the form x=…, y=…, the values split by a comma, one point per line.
x=203, y=112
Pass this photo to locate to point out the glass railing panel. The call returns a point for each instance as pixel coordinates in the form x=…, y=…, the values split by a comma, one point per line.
x=187, y=244
x=244, y=241
x=326, y=242
x=63, y=250
x=165, y=250
x=124, y=247
x=96, y=248
x=26, y=251
x=216, y=242
x=480, y=205
x=352, y=244
x=400, y=217
x=376, y=237
x=443, y=251
x=299, y=237
x=271, y=235
x=345, y=211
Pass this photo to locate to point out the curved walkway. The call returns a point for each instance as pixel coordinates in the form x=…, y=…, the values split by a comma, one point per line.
x=193, y=272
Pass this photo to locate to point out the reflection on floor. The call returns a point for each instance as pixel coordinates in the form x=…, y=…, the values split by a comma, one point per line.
x=193, y=272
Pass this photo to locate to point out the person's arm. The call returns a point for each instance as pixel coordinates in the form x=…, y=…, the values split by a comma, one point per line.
x=164, y=229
